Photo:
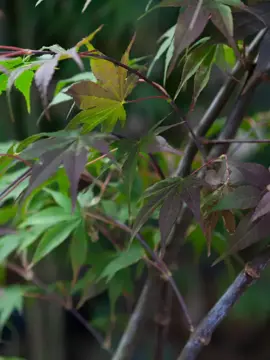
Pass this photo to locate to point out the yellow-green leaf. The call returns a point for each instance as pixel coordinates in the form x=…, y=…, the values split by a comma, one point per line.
x=23, y=84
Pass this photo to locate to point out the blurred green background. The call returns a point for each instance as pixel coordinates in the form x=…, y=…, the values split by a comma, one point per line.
x=46, y=332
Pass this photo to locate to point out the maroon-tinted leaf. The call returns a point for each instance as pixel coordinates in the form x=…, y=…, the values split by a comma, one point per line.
x=43, y=170
x=103, y=147
x=263, y=207
x=147, y=210
x=168, y=215
x=248, y=233
x=44, y=75
x=185, y=35
x=74, y=161
x=243, y=197
x=191, y=196
x=38, y=148
x=252, y=174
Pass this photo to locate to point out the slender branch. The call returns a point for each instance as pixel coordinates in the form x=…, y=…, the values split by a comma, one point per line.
x=157, y=167
x=163, y=319
x=202, y=335
x=237, y=141
x=132, y=334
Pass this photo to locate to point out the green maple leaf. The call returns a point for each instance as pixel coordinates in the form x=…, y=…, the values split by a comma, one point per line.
x=103, y=102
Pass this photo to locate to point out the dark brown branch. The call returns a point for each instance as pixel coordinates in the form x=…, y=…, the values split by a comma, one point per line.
x=202, y=335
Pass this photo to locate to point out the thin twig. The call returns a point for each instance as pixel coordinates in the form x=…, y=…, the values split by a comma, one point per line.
x=202, y=335
x=236, y=141
x=157, y=167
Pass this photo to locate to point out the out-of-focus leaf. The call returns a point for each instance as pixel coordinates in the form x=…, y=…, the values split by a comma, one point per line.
x=23, y=84
x=30, y=235
x=7, y=213
x=263, y=207
x=86, y=4
x=4, y=230
x=11, y=299
x=252, y=173
x=168, y=214
x=55, y=236
x=78, y=247
x=74, y=161
x=119, y=283
x=85, y=41
x=3, y=82
x=60, y=199
x=129, y=170
x=123, y=260
x=8, y=244
x=39, y=2
x=243, y=197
